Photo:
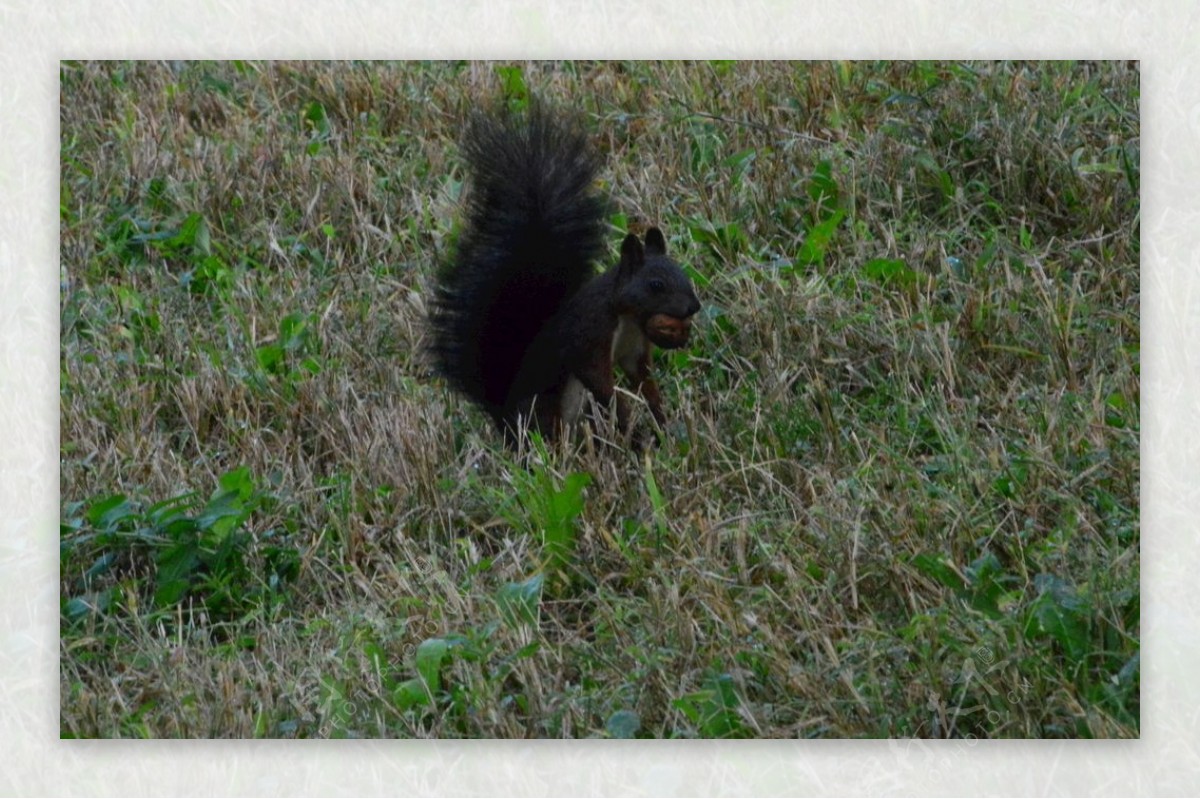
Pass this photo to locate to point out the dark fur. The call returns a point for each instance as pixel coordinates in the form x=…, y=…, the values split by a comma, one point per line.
x=519, y=310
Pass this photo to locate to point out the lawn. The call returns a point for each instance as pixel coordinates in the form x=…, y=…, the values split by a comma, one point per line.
x=898, y=494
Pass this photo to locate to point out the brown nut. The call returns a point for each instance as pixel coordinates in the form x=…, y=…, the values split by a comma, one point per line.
x=668, y=332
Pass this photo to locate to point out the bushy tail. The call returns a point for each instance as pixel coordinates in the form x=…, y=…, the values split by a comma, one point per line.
x=533, y=229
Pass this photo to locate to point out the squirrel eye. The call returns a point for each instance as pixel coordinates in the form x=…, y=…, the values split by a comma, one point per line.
x=656, y=285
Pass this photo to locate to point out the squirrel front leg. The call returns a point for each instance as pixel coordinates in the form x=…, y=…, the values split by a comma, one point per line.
x=645, y=385
x=597, y=377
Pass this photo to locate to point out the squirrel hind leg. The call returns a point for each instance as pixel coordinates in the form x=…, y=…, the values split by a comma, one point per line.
x=571, y=401
x=541, y=412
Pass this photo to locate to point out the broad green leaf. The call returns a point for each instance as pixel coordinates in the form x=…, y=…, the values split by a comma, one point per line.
x=430, y=655
x=1059, y=612
x=935, y=567
x=889, y=272
x=106, y=513
x=623, y=724
x=519, y=601
x=410, y=693
x=812, y=251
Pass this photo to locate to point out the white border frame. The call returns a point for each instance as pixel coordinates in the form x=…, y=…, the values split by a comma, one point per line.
x=39, y=34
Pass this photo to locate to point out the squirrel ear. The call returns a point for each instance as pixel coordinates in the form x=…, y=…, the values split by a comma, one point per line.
x=632, y=254
x=655, y=243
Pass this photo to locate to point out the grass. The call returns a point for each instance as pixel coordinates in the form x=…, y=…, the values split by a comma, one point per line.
x=898, y=495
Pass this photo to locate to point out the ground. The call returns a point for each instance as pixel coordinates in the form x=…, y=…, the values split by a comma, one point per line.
x=897, y=496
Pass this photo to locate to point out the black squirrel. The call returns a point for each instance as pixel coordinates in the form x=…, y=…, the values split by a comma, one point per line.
x=521, y=322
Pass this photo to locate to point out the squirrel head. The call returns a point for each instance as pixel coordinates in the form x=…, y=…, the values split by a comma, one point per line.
x=654, y=290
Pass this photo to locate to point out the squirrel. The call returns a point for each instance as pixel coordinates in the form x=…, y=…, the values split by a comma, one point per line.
x=521, y=323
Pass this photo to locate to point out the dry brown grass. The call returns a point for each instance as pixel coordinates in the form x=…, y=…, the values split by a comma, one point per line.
x=899, y=496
